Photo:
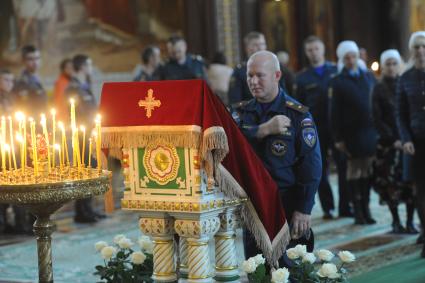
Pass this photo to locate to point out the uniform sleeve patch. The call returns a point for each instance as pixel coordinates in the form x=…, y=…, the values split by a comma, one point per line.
x=307, y=122
x=309, y=136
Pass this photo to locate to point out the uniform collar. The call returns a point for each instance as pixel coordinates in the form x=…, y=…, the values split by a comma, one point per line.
x=278, y=104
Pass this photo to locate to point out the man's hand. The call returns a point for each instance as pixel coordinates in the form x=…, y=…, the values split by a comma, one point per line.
x=341, y=147
x=300, y=224
x=409, y=148
x=275, y=126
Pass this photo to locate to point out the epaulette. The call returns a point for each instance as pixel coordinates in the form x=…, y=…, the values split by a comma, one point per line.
x=240, y=104
x=333, y=75
x=296, y=106
x=197, y=57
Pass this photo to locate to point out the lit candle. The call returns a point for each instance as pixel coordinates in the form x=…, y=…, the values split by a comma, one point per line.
x=21, y=143
x=34, y=146
x=46, y=137
x=7, y=149
x=98, y=141
x=24, y=124
x=64, y=144
x=3, y=142
x=53, y=112
x=73, y=122
x=12, y=146
x=58, y=148
x=90, y=146
x=83, y=129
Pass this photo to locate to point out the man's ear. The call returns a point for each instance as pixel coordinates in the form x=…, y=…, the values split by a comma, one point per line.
x=278, y=75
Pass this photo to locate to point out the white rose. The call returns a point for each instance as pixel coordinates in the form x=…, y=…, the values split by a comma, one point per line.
x=309, y=257
x=328, y=270
x=137, y=257
x=259, y=259
x=292, y=253
x=280, y=275
x=125, y=243
x=146, y=244
x=346, y=256
x=249, y=265
x=325, y=255
x=108, y=252
x=100, y=245
x=117, y=238
x=301, y=250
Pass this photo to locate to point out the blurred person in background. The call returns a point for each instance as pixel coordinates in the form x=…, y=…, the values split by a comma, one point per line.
x=219, y=74
x=352, y=124
x=388, y=165
x=311, y=89
x=410, y=113
x=151, y=60
x=60, y=103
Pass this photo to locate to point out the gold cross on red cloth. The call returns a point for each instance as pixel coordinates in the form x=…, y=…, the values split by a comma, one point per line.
x=149, y=103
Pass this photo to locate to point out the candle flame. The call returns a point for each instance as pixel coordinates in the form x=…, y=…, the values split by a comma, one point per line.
x=20, y=116
x=7, y=147
x=53, y=111
x=72, y=101
x=30, y=119
x=57, y=147
x=61, y=126
x=82, y=128
x=19, y=138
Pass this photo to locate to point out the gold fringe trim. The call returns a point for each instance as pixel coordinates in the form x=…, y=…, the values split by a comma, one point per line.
x=272, y=250
x=214, y=148
x=141, y=136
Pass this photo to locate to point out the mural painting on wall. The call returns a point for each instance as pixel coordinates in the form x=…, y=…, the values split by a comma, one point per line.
x=63, y=28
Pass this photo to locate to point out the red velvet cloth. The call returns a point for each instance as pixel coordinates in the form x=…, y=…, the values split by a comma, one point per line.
x=192, y=103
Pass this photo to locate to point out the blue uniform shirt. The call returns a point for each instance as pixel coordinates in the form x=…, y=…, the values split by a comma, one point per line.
x=193, y=68
x=312, y=87
x=293, y=159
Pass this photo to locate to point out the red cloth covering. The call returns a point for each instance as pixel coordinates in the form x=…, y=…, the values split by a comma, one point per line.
x=192, y=103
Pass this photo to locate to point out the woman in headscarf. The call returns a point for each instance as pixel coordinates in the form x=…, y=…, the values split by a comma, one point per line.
x=388, y=165
x=353, y=129
x=410, y=110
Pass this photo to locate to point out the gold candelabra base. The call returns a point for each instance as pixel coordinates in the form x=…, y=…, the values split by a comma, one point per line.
x=43, y=199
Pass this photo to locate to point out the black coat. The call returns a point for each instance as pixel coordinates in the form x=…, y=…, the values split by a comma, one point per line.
x=351, y=112
x=411, y=105
x=383, y=104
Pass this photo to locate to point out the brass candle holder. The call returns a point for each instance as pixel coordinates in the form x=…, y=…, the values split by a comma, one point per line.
x=43, y=193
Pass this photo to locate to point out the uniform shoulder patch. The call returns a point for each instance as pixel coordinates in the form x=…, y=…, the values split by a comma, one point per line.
x=309, y=136
x=307, y=122
x=296, y=106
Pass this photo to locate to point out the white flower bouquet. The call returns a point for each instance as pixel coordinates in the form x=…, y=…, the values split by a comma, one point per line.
x=307, y=267
x=122, y=264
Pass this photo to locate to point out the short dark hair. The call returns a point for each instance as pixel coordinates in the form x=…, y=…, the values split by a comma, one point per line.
x=252, y=35
x=78, y=61
x=63, y=63
x=312, y=38
x=219, y=58
x=147, y=53
x=175, y=38
x=28, y=49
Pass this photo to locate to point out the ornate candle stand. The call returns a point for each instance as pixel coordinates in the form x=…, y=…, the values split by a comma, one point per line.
x=43, y=195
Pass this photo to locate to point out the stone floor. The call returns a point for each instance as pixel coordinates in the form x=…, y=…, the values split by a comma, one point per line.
x=75, y=258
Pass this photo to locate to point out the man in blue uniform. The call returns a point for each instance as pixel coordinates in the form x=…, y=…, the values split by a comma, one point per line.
x=353, y=126
x=181, y=65
x=238, y=88
x=284, y=136
x=312, y=86
x=410, y=111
